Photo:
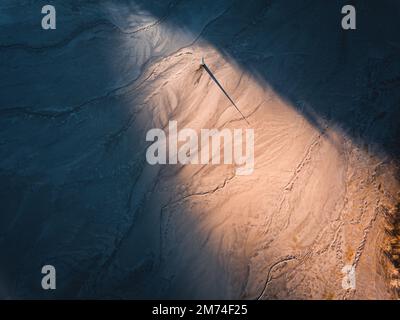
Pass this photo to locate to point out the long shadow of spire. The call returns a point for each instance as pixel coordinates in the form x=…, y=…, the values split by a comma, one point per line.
x=203, y=64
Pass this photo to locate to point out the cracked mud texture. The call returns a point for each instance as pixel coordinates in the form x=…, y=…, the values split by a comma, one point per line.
x=76, y=190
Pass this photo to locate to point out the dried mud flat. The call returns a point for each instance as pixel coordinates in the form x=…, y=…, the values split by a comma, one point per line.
x=78, y=193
